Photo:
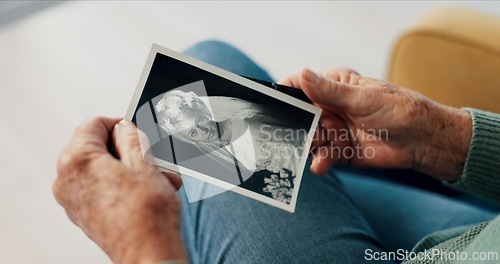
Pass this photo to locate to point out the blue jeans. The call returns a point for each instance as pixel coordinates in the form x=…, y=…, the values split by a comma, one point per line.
x=338, y=217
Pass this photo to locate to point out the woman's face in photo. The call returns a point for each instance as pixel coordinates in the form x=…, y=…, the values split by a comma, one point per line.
x=197, y=127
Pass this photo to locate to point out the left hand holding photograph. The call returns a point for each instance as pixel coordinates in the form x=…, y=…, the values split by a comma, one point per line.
x=144, y=227
x=222, y=129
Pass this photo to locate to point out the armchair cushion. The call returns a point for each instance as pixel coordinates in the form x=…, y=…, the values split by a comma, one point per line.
x=451, y=56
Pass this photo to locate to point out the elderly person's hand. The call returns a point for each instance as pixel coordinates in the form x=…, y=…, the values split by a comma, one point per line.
x=124, y=204
x=367, y=122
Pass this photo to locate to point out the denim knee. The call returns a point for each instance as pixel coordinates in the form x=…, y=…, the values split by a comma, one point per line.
x=227, y=57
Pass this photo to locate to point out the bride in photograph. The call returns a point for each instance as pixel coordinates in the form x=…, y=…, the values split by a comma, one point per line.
x=233, y=132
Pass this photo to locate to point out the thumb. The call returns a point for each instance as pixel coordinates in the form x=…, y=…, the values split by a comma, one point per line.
x=128, y=145
x=325, y=91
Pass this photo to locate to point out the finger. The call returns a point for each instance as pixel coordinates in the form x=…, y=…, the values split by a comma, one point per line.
x=175, y=180
x=93, y=134
x=319, y=139
x=348, y=75
x=323, y=158
x=345, y=75
x=336, y=130
x=291, y=81
x=145, y=147
x=324, y=91
x=128, y=144
x=331, y=128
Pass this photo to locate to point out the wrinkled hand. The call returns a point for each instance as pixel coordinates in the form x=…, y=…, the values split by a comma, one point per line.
x=367, y=122
x=125, y=205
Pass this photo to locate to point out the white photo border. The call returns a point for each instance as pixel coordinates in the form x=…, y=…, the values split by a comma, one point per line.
x=169, y=167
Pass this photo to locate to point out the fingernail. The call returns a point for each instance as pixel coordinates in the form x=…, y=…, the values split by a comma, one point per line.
x=313, y=164
x=124, y=122
x=310, y=76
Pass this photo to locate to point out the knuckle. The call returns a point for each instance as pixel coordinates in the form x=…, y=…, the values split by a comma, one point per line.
x=143, y=140
x=348, y=71
x=64, y=163
x=87, y=122
x=133, y=142
x=353, y=71
x=351, y=76
x=346, y=77
x=388, y=88
x=57, y=190
x=93, y=120
x=60, y=190
x=129, y=136
x=69, y=162
x=354, y=79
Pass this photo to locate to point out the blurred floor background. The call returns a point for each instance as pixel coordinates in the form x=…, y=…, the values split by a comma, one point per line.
x=61, y=62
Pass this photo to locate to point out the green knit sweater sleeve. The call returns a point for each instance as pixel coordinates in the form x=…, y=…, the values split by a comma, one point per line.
x=481, y=174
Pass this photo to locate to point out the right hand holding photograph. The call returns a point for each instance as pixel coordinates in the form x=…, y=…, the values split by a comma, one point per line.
x=388, y=126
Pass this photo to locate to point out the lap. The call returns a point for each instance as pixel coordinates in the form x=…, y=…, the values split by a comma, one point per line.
x=228, y=58
x=326, y=227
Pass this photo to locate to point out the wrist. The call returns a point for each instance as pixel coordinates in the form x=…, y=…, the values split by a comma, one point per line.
x=152, y=251
x=443, y=149
x=149, y=238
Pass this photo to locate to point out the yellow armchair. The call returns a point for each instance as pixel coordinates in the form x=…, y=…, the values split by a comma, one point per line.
x=451, y=56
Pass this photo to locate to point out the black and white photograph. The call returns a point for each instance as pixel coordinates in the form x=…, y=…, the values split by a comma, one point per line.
x=223, y=129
